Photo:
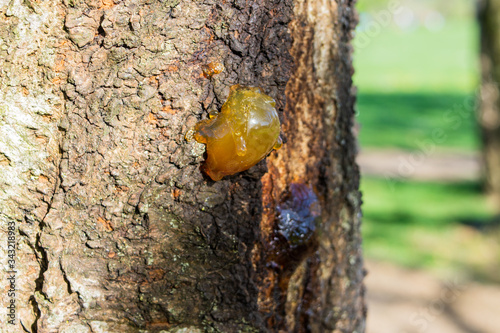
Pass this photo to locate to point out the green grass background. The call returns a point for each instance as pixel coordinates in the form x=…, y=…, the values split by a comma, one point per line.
x=412, y=83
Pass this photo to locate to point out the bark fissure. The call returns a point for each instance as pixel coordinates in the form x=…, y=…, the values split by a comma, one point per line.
x=39, y=282
x=65, y=278
x=30, y=109
x=36, y=310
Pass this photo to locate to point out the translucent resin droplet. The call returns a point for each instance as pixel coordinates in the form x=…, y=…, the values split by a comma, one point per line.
x=241, y=135
x=278, y=144
x=212, y=114
x=241, y=146
x=211, y=69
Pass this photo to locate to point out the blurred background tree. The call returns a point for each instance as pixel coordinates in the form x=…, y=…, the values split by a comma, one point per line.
x=489, y=115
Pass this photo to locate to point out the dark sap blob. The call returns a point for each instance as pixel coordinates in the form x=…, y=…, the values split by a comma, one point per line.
x=297, y=217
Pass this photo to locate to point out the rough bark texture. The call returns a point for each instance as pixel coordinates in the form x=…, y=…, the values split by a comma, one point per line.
x=489, y=115
x=117, y=228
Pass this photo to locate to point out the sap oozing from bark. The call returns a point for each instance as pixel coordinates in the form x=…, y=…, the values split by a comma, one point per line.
x=241, y=135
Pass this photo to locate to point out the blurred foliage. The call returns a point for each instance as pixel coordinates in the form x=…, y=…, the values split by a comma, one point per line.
x=412, y=80
x=456, y=8
x=446, y=227
x=413, y=121
x=419, y=60
x=423, y=203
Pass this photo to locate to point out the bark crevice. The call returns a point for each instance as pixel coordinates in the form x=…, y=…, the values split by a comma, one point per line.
x=43, y=262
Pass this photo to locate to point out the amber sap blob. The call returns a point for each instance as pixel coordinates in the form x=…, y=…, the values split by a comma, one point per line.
x=211, y=69
x=242, y=134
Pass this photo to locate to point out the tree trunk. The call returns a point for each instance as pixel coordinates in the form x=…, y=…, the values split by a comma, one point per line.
x=489, y=115
x=117, y=229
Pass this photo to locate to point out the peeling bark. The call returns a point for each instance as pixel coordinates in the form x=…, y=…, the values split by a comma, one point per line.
x=117, y=228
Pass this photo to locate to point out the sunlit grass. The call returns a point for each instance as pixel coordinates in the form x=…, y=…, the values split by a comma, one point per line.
x=413, y=121
x=420, y=60
x=432, y=225
x=412, y=84
x=423, y=203
x=456, y=8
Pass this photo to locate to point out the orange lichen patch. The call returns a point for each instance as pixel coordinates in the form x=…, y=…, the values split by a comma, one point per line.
x=4, y=160
x=156, y=274
x=172, y=68
x=268, y=214
x=135, y=165
x=43, y=179
x=60, y=65
x=111, y=254
x=31, y=270
x=168, y=109
x=176, y=193
x=241, y=135
x=152, y=119
x=26, y=92
x=107, y=4
x=211, y=69
x=57, y=80
x=62, y=43
x=106, y=224
x=210, y=33
x=121, y=189
x=153, y=80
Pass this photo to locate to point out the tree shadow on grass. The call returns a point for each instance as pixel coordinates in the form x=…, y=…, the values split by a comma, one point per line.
x=404, y=119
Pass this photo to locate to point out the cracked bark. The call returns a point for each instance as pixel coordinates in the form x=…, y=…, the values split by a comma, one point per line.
x=118, y=231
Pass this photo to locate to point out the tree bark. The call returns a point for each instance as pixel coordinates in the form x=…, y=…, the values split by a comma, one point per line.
x=117, y=229
x=489, y=111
